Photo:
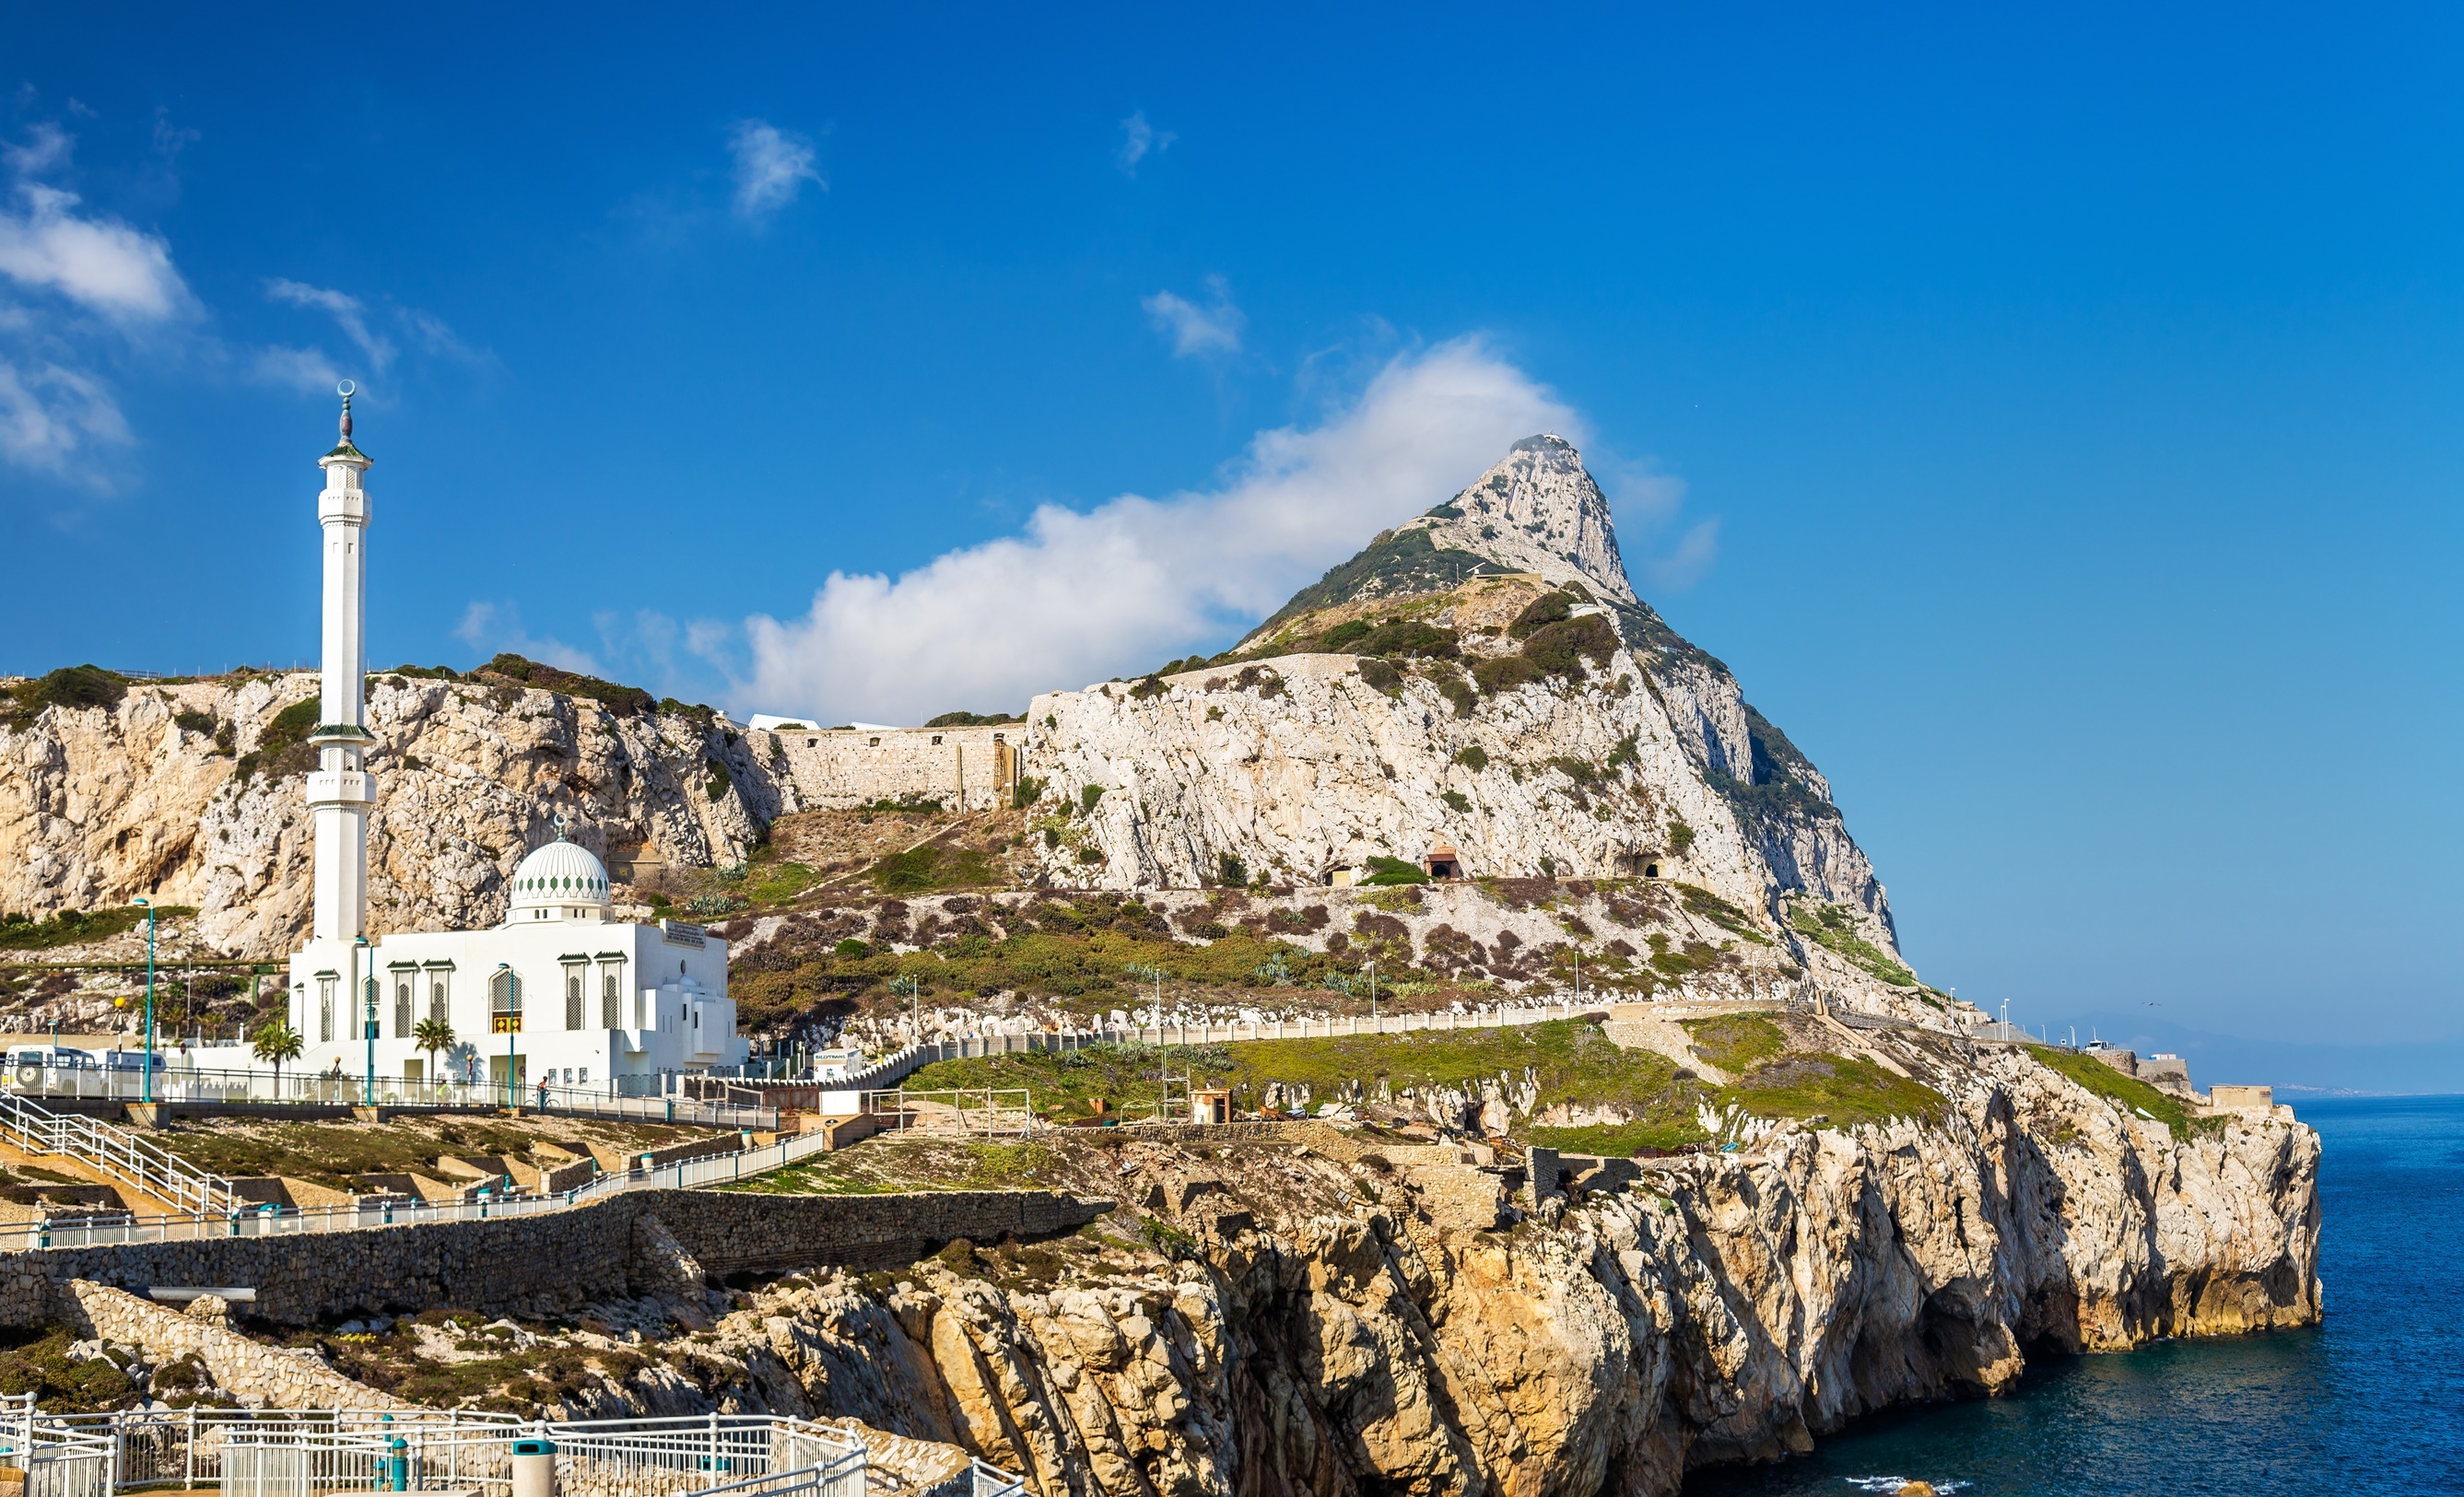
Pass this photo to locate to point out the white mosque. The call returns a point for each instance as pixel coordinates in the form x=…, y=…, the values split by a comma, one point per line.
x=561, y=993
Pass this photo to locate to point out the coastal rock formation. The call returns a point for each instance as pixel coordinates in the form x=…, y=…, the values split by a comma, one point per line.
x=1728, y=1307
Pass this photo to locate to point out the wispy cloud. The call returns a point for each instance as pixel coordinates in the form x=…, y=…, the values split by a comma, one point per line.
x=496, y=627
x=50, y=416
x=1196, y=331
x=772, y=166
x=1647, y=503
x=347, y=311
x=99, y=264
x=1139, y=141
x=1084, y=596
x=77, y=289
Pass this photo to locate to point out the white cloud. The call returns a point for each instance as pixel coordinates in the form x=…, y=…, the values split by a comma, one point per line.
x=497, y=629
x=772, y=165
x=305, y=369
x=1140, y=140
x=1080, y=597
x=50, y=415
x=1681, y=568
x=99, y=263
x=47, y=148
x=1646, y=502
x=347, y=312
x=1211, y=329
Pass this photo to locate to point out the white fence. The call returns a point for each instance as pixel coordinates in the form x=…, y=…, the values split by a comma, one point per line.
x=308, y=1453
x=115, y=1153
x=268, y=1221
x=652, y=1100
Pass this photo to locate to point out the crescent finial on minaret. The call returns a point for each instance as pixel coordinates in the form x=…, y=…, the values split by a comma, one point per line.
x=346, y=389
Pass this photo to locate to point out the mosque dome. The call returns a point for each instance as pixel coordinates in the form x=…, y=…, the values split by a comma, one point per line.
x=560, y=882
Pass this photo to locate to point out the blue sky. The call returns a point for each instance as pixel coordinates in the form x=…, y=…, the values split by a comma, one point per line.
x=2051, y=418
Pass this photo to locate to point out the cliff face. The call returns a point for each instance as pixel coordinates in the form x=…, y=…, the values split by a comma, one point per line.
x=1638, y=752
x=100, y=804
x=1725, y=1308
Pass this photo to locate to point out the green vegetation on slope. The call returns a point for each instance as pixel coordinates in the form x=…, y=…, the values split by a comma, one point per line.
x=2127, y=1092
x=71, y=687
x=626, y=701
x=1570, y=1063
x=1832, y=929
x=73, y=928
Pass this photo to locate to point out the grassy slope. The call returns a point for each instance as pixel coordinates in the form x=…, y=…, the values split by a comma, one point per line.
x=2127, y=1091
x=1570, y=1063
x=330, y=1154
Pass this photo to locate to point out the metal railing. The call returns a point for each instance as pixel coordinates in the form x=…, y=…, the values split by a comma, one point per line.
x=307, y=1453
x=120, y=1082
x=113, y=1152
x=269, y=1221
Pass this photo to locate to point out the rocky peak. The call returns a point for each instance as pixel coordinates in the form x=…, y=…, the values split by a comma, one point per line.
x=1537, y=510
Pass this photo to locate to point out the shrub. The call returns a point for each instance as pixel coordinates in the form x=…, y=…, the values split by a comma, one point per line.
x=1457, y=800
x=1091, y=855
x=1341, y=636
x=1679, y=835
x=972, y=719
x=853, y=948
x=1153, y=686
x=1408, y=637
x=719, y=782
x=281, y=749
x=1386, y=872
x=199, y=723
x=1230, y=871
x=428, y=673
x=626, y=701
x=1472, y=757
x=1025, y=793
x=1548, y=608
x=1088, y=796
x=1505, y=674
x=71, y=687
x=1382, y=676
x=1556, y=649
x=1455, y=689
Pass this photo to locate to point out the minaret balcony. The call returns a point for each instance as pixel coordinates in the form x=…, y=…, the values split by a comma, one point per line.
x=345, y=733
x=341, y=787
x=349, y=505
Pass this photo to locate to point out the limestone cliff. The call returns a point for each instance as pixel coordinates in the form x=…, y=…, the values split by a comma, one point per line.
x=1505, y=721
x=1330, y=1316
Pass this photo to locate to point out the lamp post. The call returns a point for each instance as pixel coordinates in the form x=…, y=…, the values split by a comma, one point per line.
x=368, y=1029
x=148, y=904
x=1373, y=997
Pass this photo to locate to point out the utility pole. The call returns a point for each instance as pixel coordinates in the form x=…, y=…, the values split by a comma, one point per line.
x=149, y=998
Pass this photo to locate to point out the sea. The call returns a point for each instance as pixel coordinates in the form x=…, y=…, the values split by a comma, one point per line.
x=2372, y=1400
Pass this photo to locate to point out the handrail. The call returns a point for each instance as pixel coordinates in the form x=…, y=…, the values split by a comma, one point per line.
x=242, y=1220
x=113, y=1152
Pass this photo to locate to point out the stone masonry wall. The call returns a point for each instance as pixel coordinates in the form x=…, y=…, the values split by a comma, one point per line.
x=837, y=770
x=554, y=1263
x=274, y=1376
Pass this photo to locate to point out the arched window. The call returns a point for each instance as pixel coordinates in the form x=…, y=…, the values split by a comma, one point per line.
x=324, y=1010
x=402, y=1009
x=436, y=1000
x=505, y=1003
x=611, y=995
x=573, y=1000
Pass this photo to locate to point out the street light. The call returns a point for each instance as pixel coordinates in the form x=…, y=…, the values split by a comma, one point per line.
x=148, y=905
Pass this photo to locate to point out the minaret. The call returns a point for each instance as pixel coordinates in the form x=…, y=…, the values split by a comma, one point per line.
x=339, y=791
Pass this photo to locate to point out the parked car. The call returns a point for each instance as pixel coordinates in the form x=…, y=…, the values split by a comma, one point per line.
x=52, y=1057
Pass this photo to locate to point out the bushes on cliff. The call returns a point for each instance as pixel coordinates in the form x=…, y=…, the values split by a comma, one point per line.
x=626, y=701
x=282, y=748
x=71, y=687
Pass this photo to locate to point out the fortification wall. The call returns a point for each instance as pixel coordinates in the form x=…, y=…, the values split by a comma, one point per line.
x=554, y=1263
x=968, y=769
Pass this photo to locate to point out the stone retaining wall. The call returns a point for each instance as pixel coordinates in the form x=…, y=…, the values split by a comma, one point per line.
x=271, y=1375
x=554, y=1263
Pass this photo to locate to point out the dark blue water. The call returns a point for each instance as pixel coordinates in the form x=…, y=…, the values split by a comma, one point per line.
x=2373, y=1400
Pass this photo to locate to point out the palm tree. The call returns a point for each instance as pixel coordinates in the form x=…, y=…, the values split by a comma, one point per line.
x=431, y=1036
x=277, y=1041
